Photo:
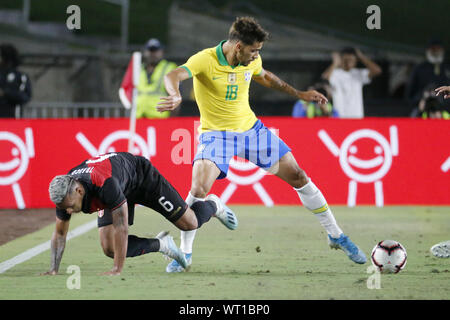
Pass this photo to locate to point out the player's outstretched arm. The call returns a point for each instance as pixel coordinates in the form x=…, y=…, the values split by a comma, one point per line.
x=120, y=224
x=270, y=80
x=445, y=90
x=58, y=243
x=172, y=83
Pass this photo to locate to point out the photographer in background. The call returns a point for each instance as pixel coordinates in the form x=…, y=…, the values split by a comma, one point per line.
x=434, y=70
x=430, y=106
x=15, y=87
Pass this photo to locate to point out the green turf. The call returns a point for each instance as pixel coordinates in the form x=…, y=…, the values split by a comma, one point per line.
x=277, y=253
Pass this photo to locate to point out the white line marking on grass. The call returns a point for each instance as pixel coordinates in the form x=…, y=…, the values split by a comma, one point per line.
x=30, y=253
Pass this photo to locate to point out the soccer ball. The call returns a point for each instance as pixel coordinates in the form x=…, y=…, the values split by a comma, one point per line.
x=389, y=256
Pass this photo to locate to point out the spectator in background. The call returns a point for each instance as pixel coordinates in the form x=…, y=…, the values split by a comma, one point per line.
x=151, y=81
x=312, y=109
x=432, y=71
x=430, y=106
x=432, y=110
x=15, y=87
x=347, y=81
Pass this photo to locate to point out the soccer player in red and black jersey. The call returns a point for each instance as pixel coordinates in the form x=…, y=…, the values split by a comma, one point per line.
x=112, y=184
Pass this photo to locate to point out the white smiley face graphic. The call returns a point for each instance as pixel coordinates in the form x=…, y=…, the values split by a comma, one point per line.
x=118, y=141
x=13, y=169
x=13, y=163
x=355, y=167
x=363, y=163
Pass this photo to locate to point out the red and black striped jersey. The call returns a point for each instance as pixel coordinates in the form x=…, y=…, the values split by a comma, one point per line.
x=108, y=180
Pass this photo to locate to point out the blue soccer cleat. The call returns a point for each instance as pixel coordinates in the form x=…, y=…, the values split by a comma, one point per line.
x=169, y=249
x=174, y=266
x=351, y=250
x=223, y=213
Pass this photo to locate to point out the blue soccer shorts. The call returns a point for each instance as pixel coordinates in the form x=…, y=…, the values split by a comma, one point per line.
x=257, y=145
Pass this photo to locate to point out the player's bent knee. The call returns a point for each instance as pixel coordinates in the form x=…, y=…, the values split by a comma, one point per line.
x=106, y=240
x=108, y=252
x=298, y=178
x=188, y=221
x=199, y=191
x=186, y=226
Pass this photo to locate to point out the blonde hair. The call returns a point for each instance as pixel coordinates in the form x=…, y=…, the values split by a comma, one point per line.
x=59, y=187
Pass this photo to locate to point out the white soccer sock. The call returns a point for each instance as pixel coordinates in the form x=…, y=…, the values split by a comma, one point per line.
x=187, y=237
x=315, y=202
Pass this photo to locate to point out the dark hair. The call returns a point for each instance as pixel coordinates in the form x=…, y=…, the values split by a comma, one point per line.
x=348, y=50
x=435, y=42
x=247, y=30
x=432, y=104
x=10, y=55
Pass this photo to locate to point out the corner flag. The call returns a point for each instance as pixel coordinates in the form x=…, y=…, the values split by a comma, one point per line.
x=128, y=92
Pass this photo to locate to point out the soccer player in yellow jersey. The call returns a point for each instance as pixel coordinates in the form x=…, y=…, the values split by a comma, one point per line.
x=229, y=127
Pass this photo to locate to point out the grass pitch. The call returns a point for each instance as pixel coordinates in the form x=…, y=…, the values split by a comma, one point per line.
x=276, y=253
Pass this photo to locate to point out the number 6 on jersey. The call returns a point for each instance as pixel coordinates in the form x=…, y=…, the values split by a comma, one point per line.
x=167, y=205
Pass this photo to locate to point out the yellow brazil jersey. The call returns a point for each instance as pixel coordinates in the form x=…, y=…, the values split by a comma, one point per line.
x=221, y=91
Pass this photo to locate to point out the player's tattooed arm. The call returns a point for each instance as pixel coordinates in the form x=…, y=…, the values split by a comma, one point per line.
x=120, y=224
x=270, y=80
x=57, y=245
x=57, y=250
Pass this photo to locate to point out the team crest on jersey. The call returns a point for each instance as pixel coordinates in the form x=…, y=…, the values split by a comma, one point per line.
x=247, y=76
x=232, y=78
x=101, y=213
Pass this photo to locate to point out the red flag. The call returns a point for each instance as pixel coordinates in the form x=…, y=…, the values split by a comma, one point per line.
x=130, y=80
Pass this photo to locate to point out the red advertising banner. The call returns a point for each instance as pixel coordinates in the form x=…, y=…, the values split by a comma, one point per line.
x=354, y=162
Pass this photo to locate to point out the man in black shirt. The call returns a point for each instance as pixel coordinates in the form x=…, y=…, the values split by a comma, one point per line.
x=15, y=86
x=111, y=184
x=433, y=72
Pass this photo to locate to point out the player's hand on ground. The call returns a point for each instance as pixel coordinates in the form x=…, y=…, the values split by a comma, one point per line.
x=49, y=273
x=168, y=103
x=313, y=95
x=445, y=90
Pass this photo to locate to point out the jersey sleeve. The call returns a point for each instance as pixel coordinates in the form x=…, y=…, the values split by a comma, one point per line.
x=111, y=194
x=258, y=66
x=196, y=64
x=62, y=214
